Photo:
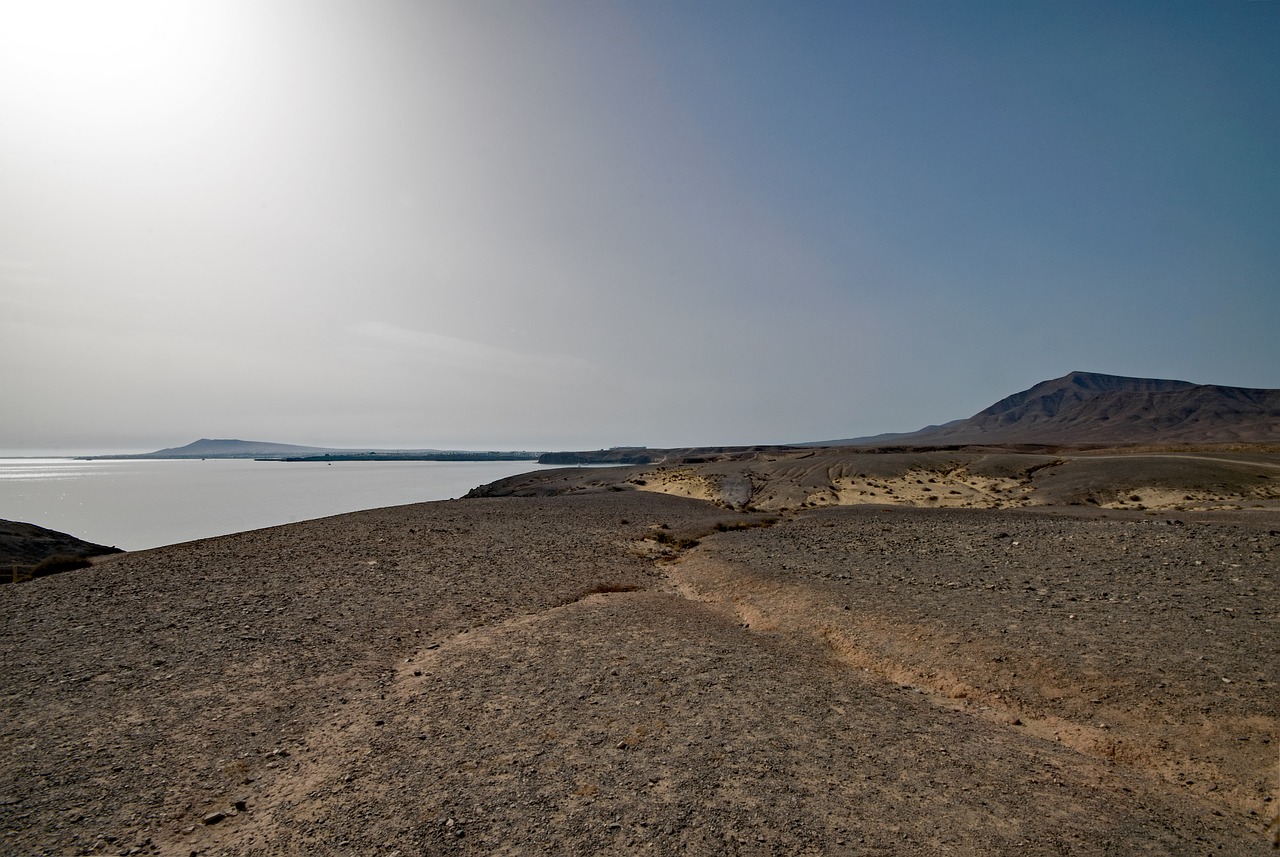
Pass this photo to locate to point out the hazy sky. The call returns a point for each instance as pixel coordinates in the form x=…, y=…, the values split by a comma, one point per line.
x=545, y=225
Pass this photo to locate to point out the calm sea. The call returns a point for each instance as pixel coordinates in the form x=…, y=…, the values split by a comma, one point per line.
x=142, y=504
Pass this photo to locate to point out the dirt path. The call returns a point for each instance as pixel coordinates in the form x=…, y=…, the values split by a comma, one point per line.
x=1133, y=641
x=1250, y=461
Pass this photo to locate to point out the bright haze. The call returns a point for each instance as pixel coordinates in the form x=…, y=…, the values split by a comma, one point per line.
x=565, y=225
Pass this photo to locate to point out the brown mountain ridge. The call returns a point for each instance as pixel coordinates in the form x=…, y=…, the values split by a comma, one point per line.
x=1091, y=407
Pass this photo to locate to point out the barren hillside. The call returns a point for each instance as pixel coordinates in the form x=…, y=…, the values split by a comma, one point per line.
x=1093, y=408
x=613, y=670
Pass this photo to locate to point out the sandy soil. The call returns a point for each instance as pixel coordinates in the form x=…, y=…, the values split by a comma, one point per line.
x=1189, y=480
x=624, y=671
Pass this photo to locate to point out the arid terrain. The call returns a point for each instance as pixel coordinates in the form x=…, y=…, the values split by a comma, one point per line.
x=1190, y=479
x=805, y=654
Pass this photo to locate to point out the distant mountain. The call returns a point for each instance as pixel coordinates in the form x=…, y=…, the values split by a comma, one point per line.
x=1089, y=407
x=227, y=448
x=230, y=448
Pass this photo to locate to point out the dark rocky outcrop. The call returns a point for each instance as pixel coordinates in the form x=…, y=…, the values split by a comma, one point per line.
x=27, y=551
x=618, y=455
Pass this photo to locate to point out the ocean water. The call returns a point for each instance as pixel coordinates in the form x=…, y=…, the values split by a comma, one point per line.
x=135, y=504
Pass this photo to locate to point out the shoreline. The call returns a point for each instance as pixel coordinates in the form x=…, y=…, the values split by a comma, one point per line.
x=144, y=504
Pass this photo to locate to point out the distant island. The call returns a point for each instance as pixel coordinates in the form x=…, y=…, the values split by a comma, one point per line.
x=269, y=451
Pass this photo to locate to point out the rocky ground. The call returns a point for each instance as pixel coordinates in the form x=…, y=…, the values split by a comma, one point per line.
x=626, y=671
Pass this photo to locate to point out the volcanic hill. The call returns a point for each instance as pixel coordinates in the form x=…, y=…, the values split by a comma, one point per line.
x=1091, y=408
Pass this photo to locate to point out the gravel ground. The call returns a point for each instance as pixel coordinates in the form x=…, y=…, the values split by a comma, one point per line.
x=573, y=675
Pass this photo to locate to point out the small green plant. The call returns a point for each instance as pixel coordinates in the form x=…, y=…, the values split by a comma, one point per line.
x=663, y=537
x=730, y=526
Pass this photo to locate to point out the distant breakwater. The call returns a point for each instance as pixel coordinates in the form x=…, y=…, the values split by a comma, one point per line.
x=431, y=456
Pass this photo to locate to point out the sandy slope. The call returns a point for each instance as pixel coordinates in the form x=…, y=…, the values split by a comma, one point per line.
x=573, y=675
x=1186, y=480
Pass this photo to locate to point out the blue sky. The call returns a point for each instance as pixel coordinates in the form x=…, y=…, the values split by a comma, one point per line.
x=580, y=224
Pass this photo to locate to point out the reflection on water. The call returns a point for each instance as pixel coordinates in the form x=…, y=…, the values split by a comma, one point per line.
x=47, y=468
x=139, y=504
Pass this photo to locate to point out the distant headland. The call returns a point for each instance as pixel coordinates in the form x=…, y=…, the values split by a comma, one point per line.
x=269, y=451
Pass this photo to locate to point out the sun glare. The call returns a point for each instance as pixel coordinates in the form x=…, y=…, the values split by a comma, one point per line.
x=102, y=69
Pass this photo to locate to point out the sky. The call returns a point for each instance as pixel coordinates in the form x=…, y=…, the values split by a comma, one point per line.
x=572, y=224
